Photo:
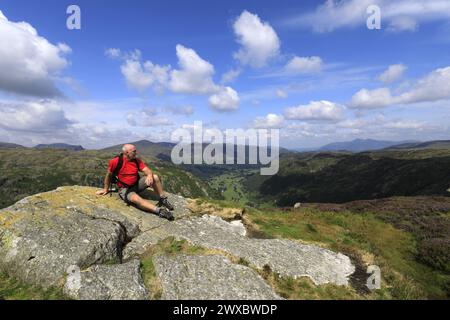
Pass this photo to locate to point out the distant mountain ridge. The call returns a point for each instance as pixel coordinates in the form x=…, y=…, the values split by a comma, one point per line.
x=6, y=145
x=360, y=145
x=437, y=144
x=164, y=148
x=60, y=146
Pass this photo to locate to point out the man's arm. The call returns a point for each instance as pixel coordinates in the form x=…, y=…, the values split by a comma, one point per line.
x=106, y=184
x=149, y=176
x=147, y=171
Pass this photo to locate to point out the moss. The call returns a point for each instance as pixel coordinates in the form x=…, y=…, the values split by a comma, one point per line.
x=13, y=289
x=6, y=239
x=168, y=246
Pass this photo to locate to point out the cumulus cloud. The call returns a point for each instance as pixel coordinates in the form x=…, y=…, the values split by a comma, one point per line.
x=226, y=99
x=298, y=65
x=194, y=75
x=371, y=99
x=393, y=73
x=33, y=116
x=259, y=41
x=399, y=15
x=270, y=121
x=316, y=110
x=142, y=75
x=29, y=63
x=433, y=87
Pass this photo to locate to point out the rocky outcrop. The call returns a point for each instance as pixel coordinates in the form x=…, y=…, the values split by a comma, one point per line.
x=285, y=257
x=209, y=277
x=106, y=282
x=46, y=236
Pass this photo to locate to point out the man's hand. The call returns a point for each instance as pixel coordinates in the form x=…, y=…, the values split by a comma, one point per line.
x=102, y=192
x=149, y=180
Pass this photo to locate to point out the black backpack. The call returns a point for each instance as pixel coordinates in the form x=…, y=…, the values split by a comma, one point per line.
x=115, y=174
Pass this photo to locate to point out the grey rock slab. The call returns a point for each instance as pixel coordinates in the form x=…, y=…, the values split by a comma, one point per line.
x=285, y=257
x=106, y=282
x=38, y=251
x=211, y=277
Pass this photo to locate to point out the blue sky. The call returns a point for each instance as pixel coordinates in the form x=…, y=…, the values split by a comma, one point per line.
x=141, y=69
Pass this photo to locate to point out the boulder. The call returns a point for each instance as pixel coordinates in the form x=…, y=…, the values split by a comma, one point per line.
x=286, y=257
x=211, y=277
x=106, y=282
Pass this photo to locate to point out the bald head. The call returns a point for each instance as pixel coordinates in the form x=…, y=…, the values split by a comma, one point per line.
x=128, y=147
x=129, y=151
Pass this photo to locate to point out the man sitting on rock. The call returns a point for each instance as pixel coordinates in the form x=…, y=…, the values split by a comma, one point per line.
x=130, y=185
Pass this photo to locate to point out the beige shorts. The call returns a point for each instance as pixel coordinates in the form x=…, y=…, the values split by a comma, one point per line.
x=141, y=186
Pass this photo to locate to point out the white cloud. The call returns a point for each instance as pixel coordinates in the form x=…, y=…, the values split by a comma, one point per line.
x=230, y=76
x=33, y=116
x=402, y=125
x=146, y=118
x=404, y=23
x=259, y=41
x=435, y=86
x=316, y=110
x=271, y=121
x=393, y=73
x=281, y=94
x=180, y=110
x=100, y=135
x=195, y=74
x=140, y=76
x=29, y=63
x=113, y=53
x=371, y=99
x=226, y=99
x=399, y=15
x=299, y=65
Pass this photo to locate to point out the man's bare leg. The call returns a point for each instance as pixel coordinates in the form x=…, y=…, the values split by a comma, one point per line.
x=148, y=206
x=144, y=204
x=157, y=186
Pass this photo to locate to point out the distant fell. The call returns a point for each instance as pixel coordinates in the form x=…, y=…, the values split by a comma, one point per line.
x=360, y=145
x=60, y=146
x=437, y=144
x=6, y=145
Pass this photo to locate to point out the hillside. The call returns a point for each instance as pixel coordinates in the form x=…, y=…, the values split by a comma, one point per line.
x=360, y=176
x=156, y=149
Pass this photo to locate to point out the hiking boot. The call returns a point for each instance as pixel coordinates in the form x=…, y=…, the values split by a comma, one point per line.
x=165, y=214
x=164, y=202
